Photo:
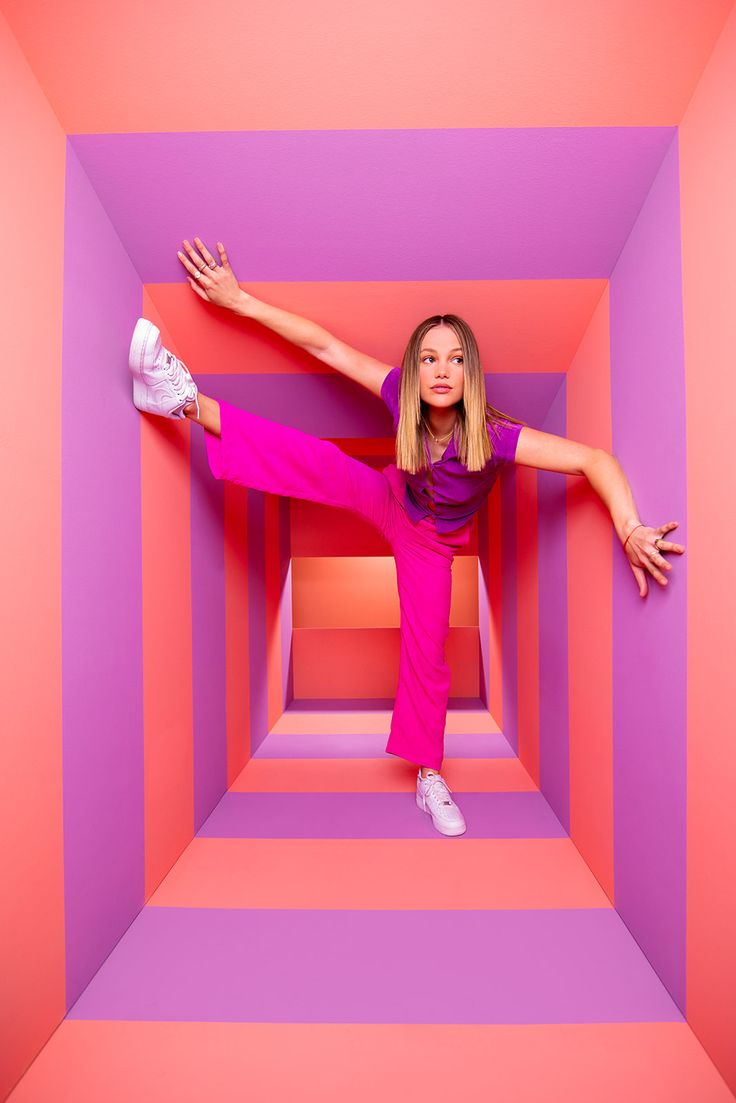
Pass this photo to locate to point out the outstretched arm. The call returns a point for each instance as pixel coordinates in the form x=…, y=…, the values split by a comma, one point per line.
x=218, y=284
x=643, y=544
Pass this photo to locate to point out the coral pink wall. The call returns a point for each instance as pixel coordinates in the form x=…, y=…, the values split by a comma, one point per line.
x=707, y=189
x=32, y=188
x=589, y=608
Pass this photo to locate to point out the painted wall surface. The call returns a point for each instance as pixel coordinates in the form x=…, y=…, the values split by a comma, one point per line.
x=32, y=188
x=707, y=188
x=650, y=635
x=150, y=607
x=590, y=552
x=102, y=669
x=530, y=63
x=554, y=733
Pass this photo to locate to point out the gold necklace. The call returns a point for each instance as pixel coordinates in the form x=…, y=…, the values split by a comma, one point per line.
x=439, y=440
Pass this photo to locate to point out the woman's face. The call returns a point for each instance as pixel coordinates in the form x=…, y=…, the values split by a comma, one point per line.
x=441, y=368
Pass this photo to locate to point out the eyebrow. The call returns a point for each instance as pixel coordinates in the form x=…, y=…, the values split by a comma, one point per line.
x=458, y=349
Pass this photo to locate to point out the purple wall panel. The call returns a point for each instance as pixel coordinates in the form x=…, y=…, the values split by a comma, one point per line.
x=510, y=641
x=328, y=404
x=102, y=662
x=208, y=633
x=538, y=202
x=650, y=634
x=554, y=730
x=484, y=608
x=287, y=681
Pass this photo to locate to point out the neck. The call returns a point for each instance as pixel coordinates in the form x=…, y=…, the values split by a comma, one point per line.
x=441, y=422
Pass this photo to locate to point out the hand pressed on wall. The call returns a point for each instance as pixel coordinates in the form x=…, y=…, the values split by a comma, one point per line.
x=643, y=545
x=217, y=284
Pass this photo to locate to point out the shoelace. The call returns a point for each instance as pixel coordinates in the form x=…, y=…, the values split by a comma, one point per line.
x=171, y=369
x=178, y=382
x=434, y=789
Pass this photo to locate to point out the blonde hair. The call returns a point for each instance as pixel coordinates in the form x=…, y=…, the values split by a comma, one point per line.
x=473, y=442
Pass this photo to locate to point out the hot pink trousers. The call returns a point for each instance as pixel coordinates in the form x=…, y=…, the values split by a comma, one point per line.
x=255, y=452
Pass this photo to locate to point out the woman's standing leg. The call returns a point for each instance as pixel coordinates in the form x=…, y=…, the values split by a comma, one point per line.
x=424, y=576
x=424, y=571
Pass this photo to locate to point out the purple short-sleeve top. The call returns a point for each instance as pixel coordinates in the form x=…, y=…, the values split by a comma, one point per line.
x=448, y=492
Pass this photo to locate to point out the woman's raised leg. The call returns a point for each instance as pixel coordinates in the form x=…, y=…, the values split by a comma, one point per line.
x=209, y=413
x=256, y=452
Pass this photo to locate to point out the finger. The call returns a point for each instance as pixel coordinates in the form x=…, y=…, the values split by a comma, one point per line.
x=195, y=287
x=223, y=255
x=660, y=560
x=186, y=262
x=665, y=545
x=641, y=579
x=197, y=260
x=656, y=573
x=211, y=262
x=201, y=278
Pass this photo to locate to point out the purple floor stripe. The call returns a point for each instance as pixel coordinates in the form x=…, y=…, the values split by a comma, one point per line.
x=376, y=816
x=367, y=745
x=263, y=965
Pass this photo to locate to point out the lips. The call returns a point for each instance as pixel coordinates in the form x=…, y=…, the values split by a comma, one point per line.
x=441, y=389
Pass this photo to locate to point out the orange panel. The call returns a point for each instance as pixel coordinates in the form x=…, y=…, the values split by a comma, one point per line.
x=237, y=644
x=344, y=592
x=521, y=325
x=317, y=1063
x=272, y=538
x=322, y=530
x=321, y=66
x=167, y=629
x=708, y=186
x=495, y=602
x=296, y=721
x=380, y=873
x=379, y=775
x=364, y=662
x=590, y=616
x=325, y=530
x=361, y=592
x=32, y=961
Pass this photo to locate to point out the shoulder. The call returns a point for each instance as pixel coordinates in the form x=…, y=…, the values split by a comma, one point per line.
x=390, y=393
x=504, y=438
x=390, y=385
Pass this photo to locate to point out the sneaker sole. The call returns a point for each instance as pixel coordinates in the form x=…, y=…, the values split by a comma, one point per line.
x=443, y=830
x=142, y=343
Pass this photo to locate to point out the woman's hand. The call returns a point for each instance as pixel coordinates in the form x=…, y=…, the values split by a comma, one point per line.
x=216, y=284
x=644, y=546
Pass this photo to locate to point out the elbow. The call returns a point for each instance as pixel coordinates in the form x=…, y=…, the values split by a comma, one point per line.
x=593, y=458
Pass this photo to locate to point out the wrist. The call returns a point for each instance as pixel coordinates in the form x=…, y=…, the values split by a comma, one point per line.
x=243, y=304
x=625, y=528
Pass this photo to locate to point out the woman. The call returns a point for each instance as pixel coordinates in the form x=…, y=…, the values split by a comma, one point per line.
x=450, y=445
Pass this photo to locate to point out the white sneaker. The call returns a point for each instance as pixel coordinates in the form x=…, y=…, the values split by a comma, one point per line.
x=433, y=796
x=162, y=384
